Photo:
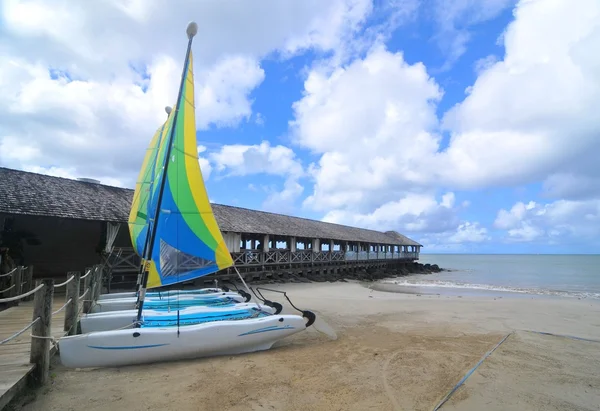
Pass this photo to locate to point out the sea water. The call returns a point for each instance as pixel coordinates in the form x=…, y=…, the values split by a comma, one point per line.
x=554, y=275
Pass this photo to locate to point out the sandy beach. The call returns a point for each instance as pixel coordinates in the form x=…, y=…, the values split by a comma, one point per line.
x=394, y=351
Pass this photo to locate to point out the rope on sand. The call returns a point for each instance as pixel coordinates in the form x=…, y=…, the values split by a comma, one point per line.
x=562, y=335
x=493, y=349
x=463, y=379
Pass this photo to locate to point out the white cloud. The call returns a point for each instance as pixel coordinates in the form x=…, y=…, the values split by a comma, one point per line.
x=460, y=240
x=469, y=232
x=259, y=119
x=114, y=34
x=373, y=122
x=119, y=64
x=509, y=219
x=241, y=160
x=485, y=63
x=222, y=95
x=571, y=185
x=533, y=113
x=529, y=116
x=562, y=221
x=284, y=201
x=370, y=121
x=98, y=129
x=205, y=166
x=414, y=213
x=454, y=19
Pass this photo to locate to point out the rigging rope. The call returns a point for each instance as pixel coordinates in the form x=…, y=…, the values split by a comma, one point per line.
x=18, y=297
x=84, y=293
x=463, y=379
x=9, y=273
x=63, y=307
x=246, y=285
x=15, y=335
x=65, y=283
x=86, y=274
x=7, y=289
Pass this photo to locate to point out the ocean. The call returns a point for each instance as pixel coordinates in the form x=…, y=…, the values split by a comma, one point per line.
x=517, y=275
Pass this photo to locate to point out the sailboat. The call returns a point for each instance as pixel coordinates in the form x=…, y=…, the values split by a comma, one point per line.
x=184, y=243
x=139, y=231
x=116, y=311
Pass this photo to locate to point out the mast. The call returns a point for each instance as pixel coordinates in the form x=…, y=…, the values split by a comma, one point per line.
x=192, y=30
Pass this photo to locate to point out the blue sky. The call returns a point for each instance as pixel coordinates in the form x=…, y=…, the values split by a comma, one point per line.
x=466, y=125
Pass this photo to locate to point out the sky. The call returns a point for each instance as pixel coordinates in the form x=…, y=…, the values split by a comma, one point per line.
x=471, y=126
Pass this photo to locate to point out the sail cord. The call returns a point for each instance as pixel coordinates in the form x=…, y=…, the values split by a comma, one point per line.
x=53, y=341
x=246, y=285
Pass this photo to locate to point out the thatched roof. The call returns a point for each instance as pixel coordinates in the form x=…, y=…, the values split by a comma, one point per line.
x=401, y=238
x=42, y=195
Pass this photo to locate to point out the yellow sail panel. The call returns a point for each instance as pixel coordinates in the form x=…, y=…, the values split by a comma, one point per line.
x=138, y=214
x=194, y=173
x=153, y=277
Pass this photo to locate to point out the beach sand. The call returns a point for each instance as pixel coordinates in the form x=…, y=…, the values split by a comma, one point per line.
x=394, y=351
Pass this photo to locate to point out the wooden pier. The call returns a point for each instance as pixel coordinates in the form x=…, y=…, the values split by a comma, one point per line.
x=35, y=315
x=276, y=264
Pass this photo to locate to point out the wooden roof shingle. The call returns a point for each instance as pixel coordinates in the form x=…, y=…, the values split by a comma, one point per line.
x=29, y=193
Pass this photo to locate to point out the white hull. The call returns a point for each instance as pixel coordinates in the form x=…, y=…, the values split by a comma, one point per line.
x=173, y=302
x=133, y=294
x=114, y=320
x=148, y=345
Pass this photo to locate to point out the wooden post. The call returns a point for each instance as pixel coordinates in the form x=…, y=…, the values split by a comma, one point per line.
x=12, y=291
x=72, y=310
x=15, y=280
x=86, y=284
x=41, y=331
x=94, y=284
x=109, y=276
x=19, y=280
x=28, y=280
x=99, y=275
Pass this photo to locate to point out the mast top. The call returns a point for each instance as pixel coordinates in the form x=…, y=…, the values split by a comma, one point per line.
x=192, y=30
x=168, y=109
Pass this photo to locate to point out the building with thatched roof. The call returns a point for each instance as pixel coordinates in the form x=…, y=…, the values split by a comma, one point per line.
x=59, y=224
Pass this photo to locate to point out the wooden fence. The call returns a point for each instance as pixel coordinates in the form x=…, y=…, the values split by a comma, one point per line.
x=16, y=295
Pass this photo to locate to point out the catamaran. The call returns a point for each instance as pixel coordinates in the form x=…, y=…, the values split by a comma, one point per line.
x=138, y=223
x=115, y=320
x=169, y=293
x=166, y=302
x=184, y=242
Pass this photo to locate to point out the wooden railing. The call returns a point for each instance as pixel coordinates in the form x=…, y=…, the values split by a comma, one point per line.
x=80, y=292
x=127, y=261
x=124, y=272
x=257, y=257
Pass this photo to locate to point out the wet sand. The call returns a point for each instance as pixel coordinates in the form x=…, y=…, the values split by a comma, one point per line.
x=394, y=351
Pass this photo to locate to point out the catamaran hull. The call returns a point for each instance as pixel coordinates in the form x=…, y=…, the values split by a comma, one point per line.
x=148, y=345
x=168, y=293
x=172, y=302
x=114, y=320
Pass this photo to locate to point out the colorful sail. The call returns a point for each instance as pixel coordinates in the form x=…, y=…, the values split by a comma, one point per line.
x=138, y=215
x=188, y=242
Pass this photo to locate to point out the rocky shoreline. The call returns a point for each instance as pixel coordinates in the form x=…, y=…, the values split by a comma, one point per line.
x=370, y=274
